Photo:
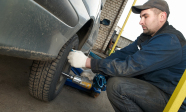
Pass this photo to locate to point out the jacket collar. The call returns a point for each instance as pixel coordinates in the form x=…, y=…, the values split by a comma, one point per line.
x=162, y=28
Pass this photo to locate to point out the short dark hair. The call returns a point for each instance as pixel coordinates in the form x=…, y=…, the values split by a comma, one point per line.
x=157, y=11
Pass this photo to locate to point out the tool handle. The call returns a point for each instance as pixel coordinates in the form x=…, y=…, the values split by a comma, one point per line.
x=86, y=83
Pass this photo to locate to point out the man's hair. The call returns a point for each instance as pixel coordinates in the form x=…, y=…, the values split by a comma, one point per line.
x=157, y=11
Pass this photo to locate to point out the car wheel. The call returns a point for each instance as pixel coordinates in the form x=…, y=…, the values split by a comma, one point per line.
x=46, y=80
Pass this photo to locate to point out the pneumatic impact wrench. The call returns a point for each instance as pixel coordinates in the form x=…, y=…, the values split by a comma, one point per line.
x=80, y=80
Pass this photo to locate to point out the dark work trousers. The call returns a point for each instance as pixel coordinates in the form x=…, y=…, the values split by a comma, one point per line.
x=134, y=95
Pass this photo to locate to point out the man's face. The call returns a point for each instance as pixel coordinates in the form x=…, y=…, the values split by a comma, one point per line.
x=149, y=22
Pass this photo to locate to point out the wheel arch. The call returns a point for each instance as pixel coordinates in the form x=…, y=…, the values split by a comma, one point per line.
x=85, y=32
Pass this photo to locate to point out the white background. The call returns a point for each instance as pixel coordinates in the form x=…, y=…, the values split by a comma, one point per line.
x=177, y=18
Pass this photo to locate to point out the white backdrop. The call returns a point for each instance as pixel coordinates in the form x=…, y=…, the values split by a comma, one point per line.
x=177, y=18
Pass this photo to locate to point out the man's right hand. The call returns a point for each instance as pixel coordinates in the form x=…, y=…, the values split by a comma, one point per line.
x=77, y=59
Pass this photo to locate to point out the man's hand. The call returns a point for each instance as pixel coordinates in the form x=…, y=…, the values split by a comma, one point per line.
x=77, y=59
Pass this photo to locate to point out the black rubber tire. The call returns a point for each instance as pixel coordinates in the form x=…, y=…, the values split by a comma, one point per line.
x=45, y=80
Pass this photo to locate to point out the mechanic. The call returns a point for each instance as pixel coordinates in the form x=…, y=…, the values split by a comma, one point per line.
x=145, y=73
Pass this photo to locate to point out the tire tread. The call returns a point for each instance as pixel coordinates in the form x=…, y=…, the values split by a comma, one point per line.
x=41, y=75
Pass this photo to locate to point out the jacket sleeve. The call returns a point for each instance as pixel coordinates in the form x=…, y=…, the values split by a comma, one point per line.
x=161, y=51
x=124, y=52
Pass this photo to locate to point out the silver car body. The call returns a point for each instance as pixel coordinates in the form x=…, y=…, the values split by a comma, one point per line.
x=31, y=30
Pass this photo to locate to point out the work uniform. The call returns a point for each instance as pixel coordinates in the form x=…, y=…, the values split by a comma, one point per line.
x=149, y=68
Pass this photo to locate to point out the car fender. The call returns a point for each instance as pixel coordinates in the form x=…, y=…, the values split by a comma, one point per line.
x=29, y=30
x=94, y=10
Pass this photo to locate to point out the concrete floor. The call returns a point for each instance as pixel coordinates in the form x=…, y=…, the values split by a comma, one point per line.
x=14, y=95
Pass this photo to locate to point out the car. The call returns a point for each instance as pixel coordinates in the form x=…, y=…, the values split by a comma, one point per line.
x=45, y=31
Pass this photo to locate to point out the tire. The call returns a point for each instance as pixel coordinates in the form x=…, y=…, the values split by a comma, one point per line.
x=45, y=80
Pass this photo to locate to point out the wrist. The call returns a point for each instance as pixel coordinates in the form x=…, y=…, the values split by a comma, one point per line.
x=88, y=63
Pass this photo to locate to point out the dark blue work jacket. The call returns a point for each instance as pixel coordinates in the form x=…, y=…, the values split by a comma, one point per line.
x=159, y=60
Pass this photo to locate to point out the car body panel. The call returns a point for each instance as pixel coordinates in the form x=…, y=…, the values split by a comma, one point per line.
x=94, y=12
x=29, y=30
x=62, y=9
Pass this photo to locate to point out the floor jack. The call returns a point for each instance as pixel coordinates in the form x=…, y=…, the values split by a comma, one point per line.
x=83, y=83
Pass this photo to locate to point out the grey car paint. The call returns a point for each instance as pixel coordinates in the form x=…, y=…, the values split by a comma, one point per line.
x=28, y=30
x=62, y=9
x=94, y=12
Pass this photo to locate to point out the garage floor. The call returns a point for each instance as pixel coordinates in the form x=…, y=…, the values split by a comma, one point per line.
x=14, y=95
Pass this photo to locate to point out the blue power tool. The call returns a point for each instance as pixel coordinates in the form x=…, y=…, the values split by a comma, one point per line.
x=99, y=81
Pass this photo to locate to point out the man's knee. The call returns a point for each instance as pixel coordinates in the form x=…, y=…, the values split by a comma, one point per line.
x=114, y=85
x=117, y=81
x=121, y=85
